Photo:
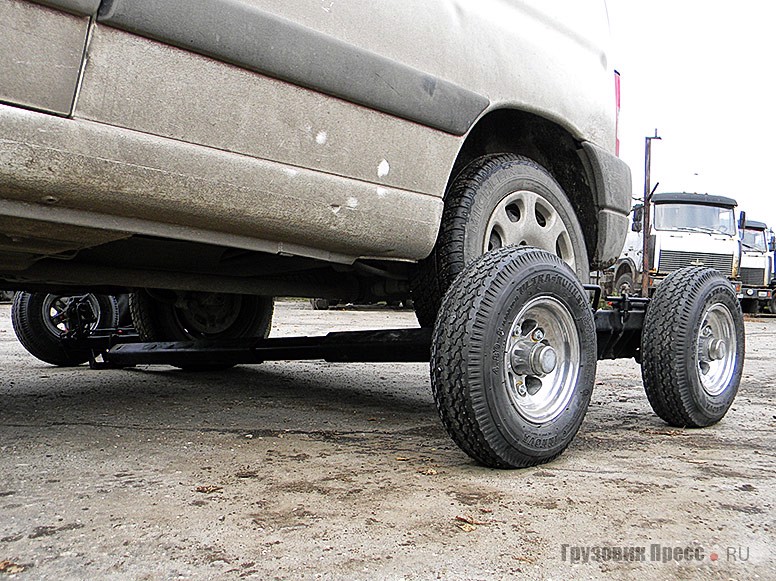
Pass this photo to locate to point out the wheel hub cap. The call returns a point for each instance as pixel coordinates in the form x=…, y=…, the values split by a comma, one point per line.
x=716, y=349
x=541, y=359
x=533, y=359
x=207, y=314
x=525, y=218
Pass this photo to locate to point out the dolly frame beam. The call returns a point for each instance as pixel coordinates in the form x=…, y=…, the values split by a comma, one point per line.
x=618, y=332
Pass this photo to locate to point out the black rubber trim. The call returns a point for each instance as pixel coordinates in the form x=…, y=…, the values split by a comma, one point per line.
x=85, y=7
x=611, y=179
x=245, y=36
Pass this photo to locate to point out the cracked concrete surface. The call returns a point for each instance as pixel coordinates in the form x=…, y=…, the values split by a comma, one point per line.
x=343, y=471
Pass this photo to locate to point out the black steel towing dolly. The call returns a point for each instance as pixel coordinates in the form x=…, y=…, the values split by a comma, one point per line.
x=513, y=352
x=618, y=331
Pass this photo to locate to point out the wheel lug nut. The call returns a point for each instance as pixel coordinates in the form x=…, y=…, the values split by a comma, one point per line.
x=537, y=335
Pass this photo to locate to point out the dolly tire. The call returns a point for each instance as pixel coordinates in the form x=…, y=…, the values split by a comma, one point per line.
x=513, y=357
x=692, y=348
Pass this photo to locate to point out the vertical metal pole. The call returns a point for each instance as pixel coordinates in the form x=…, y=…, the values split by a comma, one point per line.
x=645, y=265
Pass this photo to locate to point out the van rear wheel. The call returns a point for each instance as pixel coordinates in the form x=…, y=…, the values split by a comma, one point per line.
x=498, y=200
x=199, y=315
x=160, y=316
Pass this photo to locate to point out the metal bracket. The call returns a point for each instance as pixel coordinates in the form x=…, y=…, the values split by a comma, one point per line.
x=619, y=327
x=79, y=315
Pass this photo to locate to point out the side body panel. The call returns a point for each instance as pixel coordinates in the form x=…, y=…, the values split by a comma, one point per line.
x=76, y=171
x=147, y=86
x=304, y=166
x=40, y=55
x=533, y=55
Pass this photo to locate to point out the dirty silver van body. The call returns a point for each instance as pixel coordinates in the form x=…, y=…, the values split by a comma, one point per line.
x=268, y=148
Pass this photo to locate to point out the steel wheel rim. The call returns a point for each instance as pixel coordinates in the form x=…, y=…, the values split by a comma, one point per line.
x=525, y=218
x=54, y=307
x=209, y=314
x=553, y=390
x=716, y=349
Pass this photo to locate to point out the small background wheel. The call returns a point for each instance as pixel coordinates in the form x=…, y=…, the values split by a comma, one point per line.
x=750, y=306
x=125, y=317
x=39, y=319
x=496, y=201
x=772, y=304
x=692, y=348
x=514, y=357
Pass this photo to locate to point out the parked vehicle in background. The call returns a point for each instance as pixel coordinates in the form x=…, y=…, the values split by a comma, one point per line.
x=686, y=230
x=758, y=284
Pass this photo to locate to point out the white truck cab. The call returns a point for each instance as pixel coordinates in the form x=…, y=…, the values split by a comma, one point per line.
x=686, y=230
x=757, y=275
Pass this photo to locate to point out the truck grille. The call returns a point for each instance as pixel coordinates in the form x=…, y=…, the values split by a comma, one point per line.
x=753, y=276
x=671, y=260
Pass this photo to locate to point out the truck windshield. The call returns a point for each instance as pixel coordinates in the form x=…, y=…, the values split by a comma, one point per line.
x=695, y=218
x=754, y=240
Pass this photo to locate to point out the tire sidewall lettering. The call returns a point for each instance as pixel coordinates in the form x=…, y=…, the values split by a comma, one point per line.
x=512, y=294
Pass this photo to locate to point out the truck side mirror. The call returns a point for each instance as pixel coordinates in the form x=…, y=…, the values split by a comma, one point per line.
x=638, y=218
x=772, y=244
x=741, y=220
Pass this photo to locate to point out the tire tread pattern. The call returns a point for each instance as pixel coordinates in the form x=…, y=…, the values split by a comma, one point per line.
x=458, y=407
x=669, y=321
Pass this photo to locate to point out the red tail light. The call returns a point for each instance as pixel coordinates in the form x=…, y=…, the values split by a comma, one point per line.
x=617, y=114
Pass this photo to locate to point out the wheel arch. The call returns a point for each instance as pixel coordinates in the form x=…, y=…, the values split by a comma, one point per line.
x=624, y=265
x=545, y=142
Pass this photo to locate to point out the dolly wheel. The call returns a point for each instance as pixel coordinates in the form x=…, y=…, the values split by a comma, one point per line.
x=692, y=348
x=514, y=357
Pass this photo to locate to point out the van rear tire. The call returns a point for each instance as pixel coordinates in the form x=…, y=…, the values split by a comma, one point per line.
x=191, y=316
x=498, y=200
